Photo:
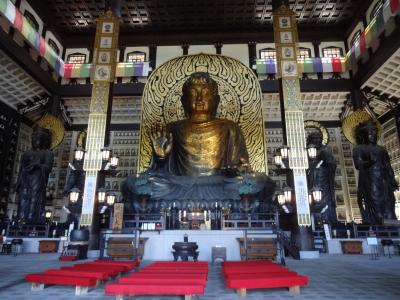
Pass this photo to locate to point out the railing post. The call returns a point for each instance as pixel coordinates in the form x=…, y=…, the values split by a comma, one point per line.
x=102, y=243
x=355, y=230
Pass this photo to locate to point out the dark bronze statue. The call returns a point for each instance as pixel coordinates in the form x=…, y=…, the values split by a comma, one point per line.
x=193, y=157
x=376, y=181
x=321, y=174
x=33, y=175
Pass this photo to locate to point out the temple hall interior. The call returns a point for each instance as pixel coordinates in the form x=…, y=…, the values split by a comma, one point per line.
x=214, y=149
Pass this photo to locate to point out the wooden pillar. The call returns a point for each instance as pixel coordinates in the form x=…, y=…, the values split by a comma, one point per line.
x=185, y=49
x=218, y=48
x=317, y=53
x=153, y=56
x=252, y=53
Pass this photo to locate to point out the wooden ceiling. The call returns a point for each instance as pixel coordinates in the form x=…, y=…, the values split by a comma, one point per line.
x=77, y=17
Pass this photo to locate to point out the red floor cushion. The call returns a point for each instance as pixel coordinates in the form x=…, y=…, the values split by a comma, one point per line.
x=154, y=289
x=79, y=273
x=260, y=275
x=165, y=280
x=180, y=263
x=121, y=268
x=253, y=269
x=130, y=264
x=189, y=271
x=68, y=258
x=167, y=275
x=63, y=280
x=247, y=263
x=110, y=273
x=261, y=282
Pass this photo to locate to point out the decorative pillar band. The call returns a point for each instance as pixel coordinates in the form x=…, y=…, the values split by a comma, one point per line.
x=104, y=60
x=286, y=41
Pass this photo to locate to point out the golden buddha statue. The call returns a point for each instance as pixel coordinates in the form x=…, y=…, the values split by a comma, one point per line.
x=201, y=144
x=191, y=156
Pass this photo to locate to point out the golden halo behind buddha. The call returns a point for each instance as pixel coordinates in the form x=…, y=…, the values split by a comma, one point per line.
x=55, y=126
x=351, y=122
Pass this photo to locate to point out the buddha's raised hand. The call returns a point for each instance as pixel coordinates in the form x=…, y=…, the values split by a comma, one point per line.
x=161, y=140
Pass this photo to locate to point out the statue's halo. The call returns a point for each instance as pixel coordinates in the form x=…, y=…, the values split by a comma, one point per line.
x=351, y=122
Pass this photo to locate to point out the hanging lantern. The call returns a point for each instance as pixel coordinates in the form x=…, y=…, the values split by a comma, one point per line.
x=74, y=195
x=105, y=154
x=48, y=214
x=312, y=151
x=101, y=195
x=110, y=199
x=287, y=191
x=316, y=193
x=280, y=196
x=284, y=152
x=79, y=153
x=114, y=161
x=278, y=159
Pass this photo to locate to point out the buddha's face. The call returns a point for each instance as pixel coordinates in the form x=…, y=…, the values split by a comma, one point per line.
x=201, y=99
x=372, y=136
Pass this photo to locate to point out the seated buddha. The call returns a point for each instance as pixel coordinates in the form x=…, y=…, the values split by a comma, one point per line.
x=191, y=156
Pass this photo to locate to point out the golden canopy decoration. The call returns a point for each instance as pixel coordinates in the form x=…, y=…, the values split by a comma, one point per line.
x=240, y=102
x=55, y=126
x=351, y=122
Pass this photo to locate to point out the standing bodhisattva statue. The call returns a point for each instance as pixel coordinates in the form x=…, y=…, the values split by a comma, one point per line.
x=35, y=167
x=376, y=181
x=322, y=175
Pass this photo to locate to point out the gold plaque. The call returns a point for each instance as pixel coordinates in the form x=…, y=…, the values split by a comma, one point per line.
x=118, y=217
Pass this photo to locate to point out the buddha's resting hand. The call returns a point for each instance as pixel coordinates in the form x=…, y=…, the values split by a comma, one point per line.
x=161, y=140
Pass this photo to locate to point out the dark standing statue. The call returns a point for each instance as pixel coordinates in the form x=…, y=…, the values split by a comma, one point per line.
x=376, y=181
x=322, y=175
x=35, y=167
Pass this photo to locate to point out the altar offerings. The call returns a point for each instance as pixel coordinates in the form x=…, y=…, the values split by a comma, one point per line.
x=243, y=275
x=163, y=278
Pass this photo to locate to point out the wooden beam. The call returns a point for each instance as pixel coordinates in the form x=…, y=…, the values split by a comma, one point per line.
x=263, y=35
x=267, y=86
x=85, y=90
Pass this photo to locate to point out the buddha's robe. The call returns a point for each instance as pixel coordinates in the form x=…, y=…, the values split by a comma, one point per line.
x=202, y=149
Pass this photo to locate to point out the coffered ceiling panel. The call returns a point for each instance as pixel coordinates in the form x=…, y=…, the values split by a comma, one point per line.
x=385, y=83
x=316, y=106
x=125, y=110
x=176, y=15
x=17, y=88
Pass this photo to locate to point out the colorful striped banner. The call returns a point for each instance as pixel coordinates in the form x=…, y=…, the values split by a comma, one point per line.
x=132, y=69
x=266, y=66
x=307, y=65
x=123, y=70
x=390, y=9
x=19, y=22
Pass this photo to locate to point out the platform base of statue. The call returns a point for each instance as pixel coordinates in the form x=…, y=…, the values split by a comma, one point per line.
x=391, y=223
x=309, y=254
x=159, y=244
x=93, y=254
